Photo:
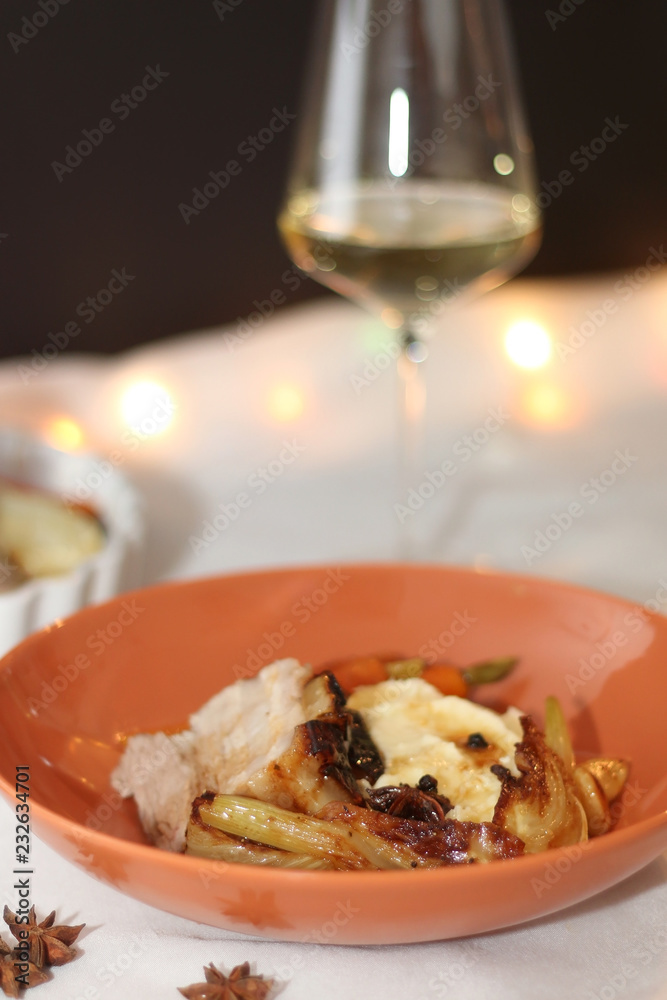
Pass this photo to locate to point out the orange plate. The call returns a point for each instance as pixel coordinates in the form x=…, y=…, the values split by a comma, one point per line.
x=68, y=695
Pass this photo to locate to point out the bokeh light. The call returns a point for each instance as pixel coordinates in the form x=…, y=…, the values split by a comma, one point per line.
x=64, y=433
x=392, y=318
x=549, y=406
x=503, y=164
x=286, y=402
x=528, y=344
x=147, y=408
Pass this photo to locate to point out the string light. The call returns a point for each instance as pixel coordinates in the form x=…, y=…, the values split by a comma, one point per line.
x=147, y=408
x=528, y=344
x=286, y=402
x=64, y=433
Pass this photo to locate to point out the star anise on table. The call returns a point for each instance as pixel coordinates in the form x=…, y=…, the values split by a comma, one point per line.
x=48, y=943
x=9, y=984
x=239, y=985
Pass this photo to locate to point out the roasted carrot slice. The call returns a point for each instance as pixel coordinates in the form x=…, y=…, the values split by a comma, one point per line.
x=447, y=679
x=355, y=673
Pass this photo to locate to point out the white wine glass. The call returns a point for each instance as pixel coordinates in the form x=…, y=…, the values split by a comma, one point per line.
x=413, y=178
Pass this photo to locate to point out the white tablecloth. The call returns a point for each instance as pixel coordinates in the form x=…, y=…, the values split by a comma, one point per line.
x=299, y=416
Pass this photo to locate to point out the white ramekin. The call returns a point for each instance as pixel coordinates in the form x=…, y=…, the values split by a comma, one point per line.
x=115, y=568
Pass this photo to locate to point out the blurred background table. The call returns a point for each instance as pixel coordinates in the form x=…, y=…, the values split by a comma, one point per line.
x=275, y=445
x=195, y=420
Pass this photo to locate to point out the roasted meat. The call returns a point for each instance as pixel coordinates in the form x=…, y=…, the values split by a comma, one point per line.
x=327, y=755
x=283, y=736
x=231, y=739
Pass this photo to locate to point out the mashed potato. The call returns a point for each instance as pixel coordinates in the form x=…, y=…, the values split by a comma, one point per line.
x=420, y=731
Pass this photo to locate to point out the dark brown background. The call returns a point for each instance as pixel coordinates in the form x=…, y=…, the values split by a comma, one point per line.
x=119, y=208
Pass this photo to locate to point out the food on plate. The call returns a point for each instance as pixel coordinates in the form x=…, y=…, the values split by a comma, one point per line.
x=448, y=679
x=42, y=536
x=230, y=744
x=285, y=770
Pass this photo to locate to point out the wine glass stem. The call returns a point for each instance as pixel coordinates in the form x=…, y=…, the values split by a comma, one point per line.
x=412, y=401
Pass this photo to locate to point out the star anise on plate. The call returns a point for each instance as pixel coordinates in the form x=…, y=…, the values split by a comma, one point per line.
x=48, y=943
x=239, y=985
x=9, y=983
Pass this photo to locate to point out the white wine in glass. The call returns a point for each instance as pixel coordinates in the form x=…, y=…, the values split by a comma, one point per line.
x=413, y=179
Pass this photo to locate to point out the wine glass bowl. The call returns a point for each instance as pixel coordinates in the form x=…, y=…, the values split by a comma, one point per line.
x=413, y=178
